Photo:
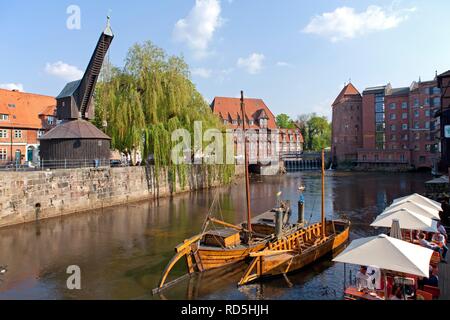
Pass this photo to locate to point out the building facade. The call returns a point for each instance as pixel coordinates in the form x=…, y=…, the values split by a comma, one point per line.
x=24, y=118
x=346, y=125
x=259, y=119
x=398, y=128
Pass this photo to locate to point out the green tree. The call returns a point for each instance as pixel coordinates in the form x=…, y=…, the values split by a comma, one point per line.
x=284, y=121
x=149, y=98
x=316, y=131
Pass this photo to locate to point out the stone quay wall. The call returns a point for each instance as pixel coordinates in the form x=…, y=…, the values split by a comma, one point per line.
x=31, y=196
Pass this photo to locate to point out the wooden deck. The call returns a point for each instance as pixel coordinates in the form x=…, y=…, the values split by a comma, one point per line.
x=444, y=281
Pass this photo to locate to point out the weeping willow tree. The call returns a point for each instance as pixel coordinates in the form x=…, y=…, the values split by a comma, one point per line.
x=149, y=98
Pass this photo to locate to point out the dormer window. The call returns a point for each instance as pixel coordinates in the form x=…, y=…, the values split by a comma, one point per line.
x=11, y=105
x=4, y=117
x=51, y=120
x=251, y=122
x=225, y=121
x=235, y=122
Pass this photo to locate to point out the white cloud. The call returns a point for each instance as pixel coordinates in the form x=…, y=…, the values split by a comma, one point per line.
x=12, y=86
x=253, y=64
x=346, y=23
x=283, y=64
x=202, y=72
x=198, y=27
x=64, y=71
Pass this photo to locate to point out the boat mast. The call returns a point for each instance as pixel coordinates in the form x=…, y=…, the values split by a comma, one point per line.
x=247, y=180
x=323, y=193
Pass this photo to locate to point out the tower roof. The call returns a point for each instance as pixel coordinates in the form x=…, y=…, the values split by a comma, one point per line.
x=348, y=90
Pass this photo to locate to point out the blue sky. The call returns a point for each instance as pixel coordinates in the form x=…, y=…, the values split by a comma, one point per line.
x=296, y=55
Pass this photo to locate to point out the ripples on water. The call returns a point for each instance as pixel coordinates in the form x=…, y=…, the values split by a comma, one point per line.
x=123, y=250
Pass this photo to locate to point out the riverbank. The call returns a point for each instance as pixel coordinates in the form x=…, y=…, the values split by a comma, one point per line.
x=31, y=196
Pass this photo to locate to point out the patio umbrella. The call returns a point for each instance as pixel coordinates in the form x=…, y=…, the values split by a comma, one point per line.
x=396, y=232
x=389, y=254
x=414, y=207
x=417, y=198
x=407, y=219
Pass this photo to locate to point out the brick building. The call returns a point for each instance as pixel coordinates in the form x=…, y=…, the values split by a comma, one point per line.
x=24, y=117
x=258, y=117
x=442, y=120
x=346, y=125
x=398, y=128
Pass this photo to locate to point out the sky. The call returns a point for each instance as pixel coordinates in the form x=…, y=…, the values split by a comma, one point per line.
x=296, y=55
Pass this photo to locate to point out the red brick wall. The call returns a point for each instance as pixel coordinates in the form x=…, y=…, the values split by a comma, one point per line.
x=346, y=129
x=368, y=121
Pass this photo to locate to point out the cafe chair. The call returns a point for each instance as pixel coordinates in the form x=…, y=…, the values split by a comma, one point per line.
x=423, y=294
x=434, y=291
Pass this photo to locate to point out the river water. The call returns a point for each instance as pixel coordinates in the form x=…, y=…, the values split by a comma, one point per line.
x=122, y=251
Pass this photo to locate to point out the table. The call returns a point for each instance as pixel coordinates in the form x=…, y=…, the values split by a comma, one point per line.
x=354, y=293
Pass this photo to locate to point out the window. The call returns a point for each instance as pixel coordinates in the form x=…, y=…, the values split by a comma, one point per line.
x=225, y=121
x=393, y=116
x=392, y=106
x=379, y=98
x=251, y=122
x=3, y=133
x=427, y=90
x=426, y=101
x=380, y=127
x=436, y=102
x=405, y=137
x=11, y=105
x=3, y=154
x=235, y=122
x=427, y=125
x=416, y=125
x=427, y=113
x=364, y=158
x=417, y=136
x=379, y=117
x=4, y=117
x=416, y=102
x=402, y=157
x=416, y=113
x=17, y=133
x=51, y=120
x=404, y=115
x=379, y=107
x=40, y=133
x=404, y=126
x=393, y=137
x=436, y=90
x=377, y=157
x=428, y=147
x=404, y=105
x=393, y=127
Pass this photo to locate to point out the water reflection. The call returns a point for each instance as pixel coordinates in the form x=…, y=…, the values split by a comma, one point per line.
x=122, y=251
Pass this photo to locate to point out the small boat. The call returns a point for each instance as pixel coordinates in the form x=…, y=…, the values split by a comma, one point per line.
x=298, y=248
x=229, y=244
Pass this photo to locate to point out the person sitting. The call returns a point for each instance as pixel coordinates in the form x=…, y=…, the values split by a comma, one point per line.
x=439, y=239
x=432, y=280
x=397, y=293
x=362, y=279
x=424, y=243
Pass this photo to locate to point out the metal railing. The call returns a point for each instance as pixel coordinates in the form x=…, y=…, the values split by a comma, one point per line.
x=43, y=165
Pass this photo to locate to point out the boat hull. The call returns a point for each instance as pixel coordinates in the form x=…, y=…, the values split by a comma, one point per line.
x=211, y=258
x=297, y=250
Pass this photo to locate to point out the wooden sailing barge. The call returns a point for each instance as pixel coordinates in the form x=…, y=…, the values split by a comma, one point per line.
x=295, y=250
x=230, y=244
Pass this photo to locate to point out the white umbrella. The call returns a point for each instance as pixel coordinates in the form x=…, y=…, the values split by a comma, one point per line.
x=389, y=254
x=414, y=207
x=407, y=219
x=420, y=200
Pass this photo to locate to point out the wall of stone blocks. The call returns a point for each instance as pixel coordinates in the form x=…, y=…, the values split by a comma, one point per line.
x=27, y=196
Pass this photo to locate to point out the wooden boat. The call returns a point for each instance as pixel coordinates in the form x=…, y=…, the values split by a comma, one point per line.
x=298, y=248
x=230, y=244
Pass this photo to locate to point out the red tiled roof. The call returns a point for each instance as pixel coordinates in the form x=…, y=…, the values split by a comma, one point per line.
x=230, y=109
x=27, y=111
x=349, y=90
